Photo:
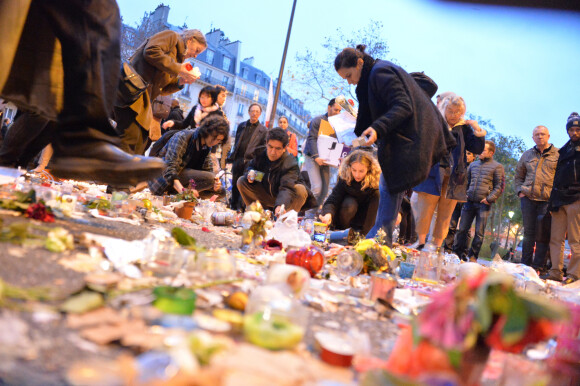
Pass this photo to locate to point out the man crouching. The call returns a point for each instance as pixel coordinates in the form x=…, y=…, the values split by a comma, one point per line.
x=273, y=178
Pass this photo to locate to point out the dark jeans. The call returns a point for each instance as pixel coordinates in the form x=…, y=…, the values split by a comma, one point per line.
x=407, y=233
x=256, y=191
x=355, y=215
x=389, y=205
x=448, y=242
x=530, y=211
x=28, y=135
x=238, y=169
x=471, y=210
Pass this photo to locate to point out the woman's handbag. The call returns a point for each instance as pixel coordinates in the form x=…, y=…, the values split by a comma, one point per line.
x=131, y=86
x=161, y=106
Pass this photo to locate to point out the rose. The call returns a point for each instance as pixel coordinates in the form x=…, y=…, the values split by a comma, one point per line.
x=39, y=212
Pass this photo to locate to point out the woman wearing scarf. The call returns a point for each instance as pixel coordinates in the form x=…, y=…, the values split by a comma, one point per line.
x=393, y=109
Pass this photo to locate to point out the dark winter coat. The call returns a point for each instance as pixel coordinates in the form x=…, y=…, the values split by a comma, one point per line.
x=412, y=134
x=456, y=188
x=341, y=190
x=255, y=145
x=566, y=188
x=535, y=173
x=280, y=177
x=175, y=114
x=485, y=179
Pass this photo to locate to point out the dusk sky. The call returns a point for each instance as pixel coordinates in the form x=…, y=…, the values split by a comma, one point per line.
x=519, y=67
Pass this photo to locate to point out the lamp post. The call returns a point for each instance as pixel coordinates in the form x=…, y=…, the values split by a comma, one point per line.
x=279, y=84
x=510, y=215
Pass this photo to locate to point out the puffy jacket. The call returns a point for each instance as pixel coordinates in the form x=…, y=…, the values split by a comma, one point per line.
x=485, y=179
x=535, y=173
x=566, y=188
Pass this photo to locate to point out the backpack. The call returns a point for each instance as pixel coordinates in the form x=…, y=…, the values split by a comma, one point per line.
x=160, y=143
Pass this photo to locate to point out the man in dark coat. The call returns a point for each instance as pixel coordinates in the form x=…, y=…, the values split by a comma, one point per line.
x=485, y=183
x=175, y=114
x=412, y=135
x=250, y=140
x=565, y=205
x=273, y=178
x=61, y=59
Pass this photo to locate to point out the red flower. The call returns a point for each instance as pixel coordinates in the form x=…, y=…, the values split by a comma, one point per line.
x=39, y=212
x=351, y=102
x=204, y=229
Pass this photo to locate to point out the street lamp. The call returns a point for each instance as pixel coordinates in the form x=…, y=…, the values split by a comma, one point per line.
x=510, y=215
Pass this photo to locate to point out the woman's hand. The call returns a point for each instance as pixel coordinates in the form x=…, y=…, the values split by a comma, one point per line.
x=167, y=124
x=371, y=135
x=478, y=131
x=327, y=218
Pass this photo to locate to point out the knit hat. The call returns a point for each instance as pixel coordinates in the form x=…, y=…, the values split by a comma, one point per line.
x=573, y=120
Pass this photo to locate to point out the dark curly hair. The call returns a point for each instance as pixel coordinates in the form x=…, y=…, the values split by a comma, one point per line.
x=214, y=125
x=278, y=134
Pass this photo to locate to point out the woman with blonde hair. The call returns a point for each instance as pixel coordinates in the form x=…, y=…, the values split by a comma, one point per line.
x=354, y=200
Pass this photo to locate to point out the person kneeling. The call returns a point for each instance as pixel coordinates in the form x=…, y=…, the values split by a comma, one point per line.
x=185, y=154
x=354, y=200
x=273, y=178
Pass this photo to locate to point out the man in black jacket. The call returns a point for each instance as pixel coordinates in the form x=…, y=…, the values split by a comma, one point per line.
x=565, y=205
x=273, y=178
x=250, y=139
x=485, y=183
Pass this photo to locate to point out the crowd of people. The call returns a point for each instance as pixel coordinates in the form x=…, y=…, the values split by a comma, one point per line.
x=416, y=167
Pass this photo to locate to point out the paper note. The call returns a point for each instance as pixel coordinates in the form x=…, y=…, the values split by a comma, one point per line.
x=343, y=125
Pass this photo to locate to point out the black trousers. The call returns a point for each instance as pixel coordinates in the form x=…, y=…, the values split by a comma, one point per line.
x=359, y=216
x=89, y=34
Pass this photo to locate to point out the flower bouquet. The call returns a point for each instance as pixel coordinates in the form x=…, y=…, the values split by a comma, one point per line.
x=255, y=223
x=455, y=333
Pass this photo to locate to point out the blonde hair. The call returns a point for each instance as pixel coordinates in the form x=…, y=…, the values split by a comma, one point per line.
x=455, y=100
x=371, y=180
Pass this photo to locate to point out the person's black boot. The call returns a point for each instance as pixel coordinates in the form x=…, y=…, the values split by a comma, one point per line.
x=104, y=162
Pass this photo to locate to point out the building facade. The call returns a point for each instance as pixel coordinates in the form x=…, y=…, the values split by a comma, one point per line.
x=221, y=63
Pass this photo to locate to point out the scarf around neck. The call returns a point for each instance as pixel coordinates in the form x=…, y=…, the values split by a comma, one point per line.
x=364, y=119
x=202, y=112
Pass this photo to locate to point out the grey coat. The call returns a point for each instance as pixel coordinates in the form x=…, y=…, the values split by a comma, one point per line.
x=535, y=173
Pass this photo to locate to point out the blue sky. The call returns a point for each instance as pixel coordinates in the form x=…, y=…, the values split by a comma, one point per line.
x=518, y=67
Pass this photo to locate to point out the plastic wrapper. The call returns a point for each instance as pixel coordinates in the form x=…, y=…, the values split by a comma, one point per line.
x=287, y=232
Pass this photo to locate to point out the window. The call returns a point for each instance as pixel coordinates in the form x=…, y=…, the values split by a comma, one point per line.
x=226, y=64
x=186, y=91
x=244, y=87
x=225, y=81
x=245, y=73
x=258, y=78
x=209, y=56
x=207, y=75
x=256, y=95
x=241, y=109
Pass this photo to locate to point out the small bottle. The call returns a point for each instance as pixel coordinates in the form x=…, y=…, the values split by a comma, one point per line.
x=222, y=218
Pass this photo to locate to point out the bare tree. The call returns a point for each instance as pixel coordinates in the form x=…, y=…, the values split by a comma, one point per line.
x=314, y=77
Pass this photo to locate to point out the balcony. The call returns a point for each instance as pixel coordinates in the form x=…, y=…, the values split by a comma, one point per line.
x=211, y=81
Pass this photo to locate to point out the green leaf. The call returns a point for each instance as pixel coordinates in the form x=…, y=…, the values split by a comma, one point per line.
x=517, y=320
x=454, y=358
x=182, y=237
x=540, y=307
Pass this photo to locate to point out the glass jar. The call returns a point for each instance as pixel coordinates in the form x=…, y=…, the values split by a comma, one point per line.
x=273, y=319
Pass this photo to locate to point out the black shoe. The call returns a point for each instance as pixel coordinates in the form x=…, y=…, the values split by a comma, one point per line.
x=106, y=163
